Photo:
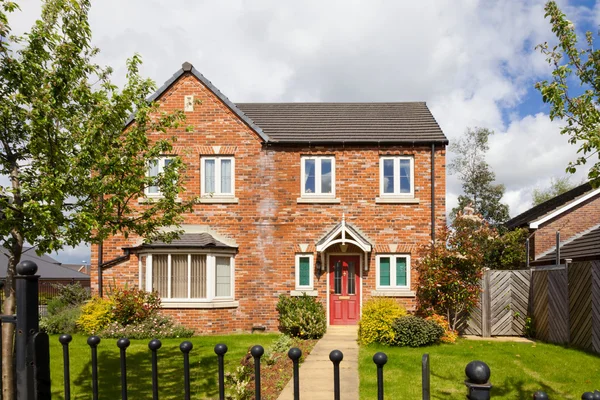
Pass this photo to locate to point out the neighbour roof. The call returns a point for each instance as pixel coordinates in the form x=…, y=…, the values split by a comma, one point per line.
x=584, y=247
x=188, y=240
x=410, y=122
x=548, y=206
x=48, y=268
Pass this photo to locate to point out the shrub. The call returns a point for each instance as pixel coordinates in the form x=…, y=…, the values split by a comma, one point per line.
x=71, y=295
x=64, y=321
x=378, y=315
x=134, y=305
x=155, y=327
x=449, y=335
x=415, y=331
x=96, y=314
x=302, y=317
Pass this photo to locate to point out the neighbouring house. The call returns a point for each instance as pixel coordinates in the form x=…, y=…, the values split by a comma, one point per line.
x=575, y=214
x=51, y=272
x=331, y=200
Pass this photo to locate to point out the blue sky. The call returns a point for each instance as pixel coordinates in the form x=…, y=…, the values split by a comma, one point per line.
x=472, y=61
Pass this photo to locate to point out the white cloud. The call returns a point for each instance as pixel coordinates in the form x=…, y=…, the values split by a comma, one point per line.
x=472, y=61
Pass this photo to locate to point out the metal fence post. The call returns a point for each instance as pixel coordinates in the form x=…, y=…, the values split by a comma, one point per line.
x=93, y=342
x=336, y=358
x=220, y=350
x=154, y=345
x=257, y=352
x=426, y=377
x=294, y=354
x=27, y=326
x=478, y=380
x=380, y=359
x=123, y=344
x=185, y=348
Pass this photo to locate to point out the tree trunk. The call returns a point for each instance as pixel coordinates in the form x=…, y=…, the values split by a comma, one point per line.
x=8, y=330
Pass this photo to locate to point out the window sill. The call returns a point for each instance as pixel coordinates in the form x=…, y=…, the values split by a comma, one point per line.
x=301, y=292
x=318, y=200
x=197, y=304
x=154, y=199
x=218, y=199
x=393, y=293
x=396, y=200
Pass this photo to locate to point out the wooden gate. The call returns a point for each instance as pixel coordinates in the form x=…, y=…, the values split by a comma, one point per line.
x=502, y=308
x=566, y=304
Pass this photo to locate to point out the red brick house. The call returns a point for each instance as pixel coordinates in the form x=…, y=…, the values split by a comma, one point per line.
x=328, y=199
x=575, y=214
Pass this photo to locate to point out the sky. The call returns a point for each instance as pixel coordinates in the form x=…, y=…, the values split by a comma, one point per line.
x=473, y=62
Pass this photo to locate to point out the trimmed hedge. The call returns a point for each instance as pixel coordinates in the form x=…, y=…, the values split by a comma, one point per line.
x=414, y=331
x=302, y=317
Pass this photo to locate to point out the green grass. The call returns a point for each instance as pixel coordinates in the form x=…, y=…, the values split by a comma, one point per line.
x=518, y=370
x=203, y=366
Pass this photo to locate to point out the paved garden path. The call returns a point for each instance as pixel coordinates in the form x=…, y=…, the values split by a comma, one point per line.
x=316, y=373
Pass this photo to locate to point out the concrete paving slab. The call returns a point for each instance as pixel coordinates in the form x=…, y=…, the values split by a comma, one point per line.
x=316, y=373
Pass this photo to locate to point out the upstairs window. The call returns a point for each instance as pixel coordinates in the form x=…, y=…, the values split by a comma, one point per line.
x=156, y=167
x=318, y=176
x=393, y=272
x=396, y=176
x=217, y=176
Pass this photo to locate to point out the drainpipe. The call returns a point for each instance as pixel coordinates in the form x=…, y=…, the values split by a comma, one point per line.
x=100, y=251
x=433, y=192
x=557, y=248
x=527, y=253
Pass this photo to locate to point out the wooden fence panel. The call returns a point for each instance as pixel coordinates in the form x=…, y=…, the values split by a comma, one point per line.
x=580, y=304
x=521, y=281
x=502, y=308
x=540, y=304
x=558, y=306
x=595, y=267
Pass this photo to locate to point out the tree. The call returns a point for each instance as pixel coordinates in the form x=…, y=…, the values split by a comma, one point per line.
x=557, y=186
x=477, y=178
x=581, y=113
x=451, y=268
x=75, y=173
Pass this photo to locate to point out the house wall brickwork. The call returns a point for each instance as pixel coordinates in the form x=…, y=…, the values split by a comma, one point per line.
x=578, y=219
x=268, y=223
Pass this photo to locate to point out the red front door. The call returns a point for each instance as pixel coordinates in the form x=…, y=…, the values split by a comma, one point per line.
x=344, y=289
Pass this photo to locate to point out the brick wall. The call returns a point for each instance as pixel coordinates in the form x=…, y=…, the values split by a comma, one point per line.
x=268, y=223
x=572, y=222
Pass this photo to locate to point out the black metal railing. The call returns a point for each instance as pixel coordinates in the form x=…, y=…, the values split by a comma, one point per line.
x=32, y=356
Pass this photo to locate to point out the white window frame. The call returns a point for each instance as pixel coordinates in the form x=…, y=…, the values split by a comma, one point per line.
x=393, y=258
x=317, y=192
x=161, y=167
x=217, y=192
x=211, y=281
x=311, y=274
x=397, y=193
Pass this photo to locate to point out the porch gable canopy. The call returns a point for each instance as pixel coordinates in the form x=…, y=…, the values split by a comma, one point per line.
x=344, y=233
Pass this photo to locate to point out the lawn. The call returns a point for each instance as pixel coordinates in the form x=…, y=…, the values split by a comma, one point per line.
x=518, y=370
x=203, y=370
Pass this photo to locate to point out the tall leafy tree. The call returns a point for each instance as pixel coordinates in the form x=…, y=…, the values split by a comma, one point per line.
x=578, y=67
x=557, y=187
x=75, y=173
x=479, y=189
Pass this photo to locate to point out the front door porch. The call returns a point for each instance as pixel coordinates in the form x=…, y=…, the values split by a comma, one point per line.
x=344, y=289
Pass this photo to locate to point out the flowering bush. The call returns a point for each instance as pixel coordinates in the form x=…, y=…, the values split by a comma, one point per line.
x=302, y=317
x=378, y=315
x=155, y=327
x=449, y=335
x=133, y=305
x=95, y=315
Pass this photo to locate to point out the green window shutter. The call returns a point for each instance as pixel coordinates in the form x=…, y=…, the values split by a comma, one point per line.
x=384, y=271
x=304, y=271
x=400, y=271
